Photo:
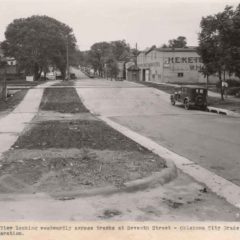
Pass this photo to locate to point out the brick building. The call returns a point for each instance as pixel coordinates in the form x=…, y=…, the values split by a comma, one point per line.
x=171, y=65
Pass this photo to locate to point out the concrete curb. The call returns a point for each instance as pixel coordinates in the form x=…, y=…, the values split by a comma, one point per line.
x=165, y=176
x=217, y=184
x=222, y=187
x=223, y=111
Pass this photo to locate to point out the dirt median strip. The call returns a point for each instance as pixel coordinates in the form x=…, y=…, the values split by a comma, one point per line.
x=75, y=155
x=64, y=100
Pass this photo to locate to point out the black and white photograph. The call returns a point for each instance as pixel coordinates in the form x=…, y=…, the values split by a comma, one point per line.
x=120, y=111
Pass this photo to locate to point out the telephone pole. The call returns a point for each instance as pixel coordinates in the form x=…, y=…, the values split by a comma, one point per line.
x=67, y=56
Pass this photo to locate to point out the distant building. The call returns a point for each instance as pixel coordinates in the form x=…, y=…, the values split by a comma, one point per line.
x=176, y=65
x=11, y=61
x=11, y=64
x=133, y=73
x=127, y=66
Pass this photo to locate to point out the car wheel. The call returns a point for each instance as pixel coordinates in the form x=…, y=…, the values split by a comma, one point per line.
x=204, y=108
x=186, y=104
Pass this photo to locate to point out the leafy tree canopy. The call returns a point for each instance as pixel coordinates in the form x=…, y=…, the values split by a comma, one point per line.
x=105, y=55
x=219, y=44
x=179, y=42
x=38, y=42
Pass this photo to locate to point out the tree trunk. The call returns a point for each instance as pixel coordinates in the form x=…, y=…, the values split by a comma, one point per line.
x=45, y=75
x=221, y=87
x=39, y=73
x=4, y=85
x=36, y=72
x=207, y=81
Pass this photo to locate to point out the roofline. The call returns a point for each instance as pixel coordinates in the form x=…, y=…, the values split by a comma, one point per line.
x=185, y=49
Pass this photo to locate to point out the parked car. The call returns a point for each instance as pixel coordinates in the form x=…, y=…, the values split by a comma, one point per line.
x=51, y=76
x=91, y=75
x=190, y=96
x=73, y=76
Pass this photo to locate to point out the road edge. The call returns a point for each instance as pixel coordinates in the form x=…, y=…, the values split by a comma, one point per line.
x=220, y=186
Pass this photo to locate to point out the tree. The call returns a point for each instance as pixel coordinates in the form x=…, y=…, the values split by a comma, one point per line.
x=215, y=46
x=164, y=46
x=232, y=36
x=120, y=50
x=99, y=54
x=38, y=42
x=104, y=57
x=112, y=68
x=180, y=42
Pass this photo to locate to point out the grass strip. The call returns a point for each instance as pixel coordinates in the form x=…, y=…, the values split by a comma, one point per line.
x=12, y=101
x=75, y=134
x=64, y=100
x=165, y=88
x=65, y=83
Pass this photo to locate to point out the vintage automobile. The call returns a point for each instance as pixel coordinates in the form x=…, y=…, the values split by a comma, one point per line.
x=190, y=96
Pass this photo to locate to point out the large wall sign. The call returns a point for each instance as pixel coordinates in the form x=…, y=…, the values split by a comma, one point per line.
x=184, y=60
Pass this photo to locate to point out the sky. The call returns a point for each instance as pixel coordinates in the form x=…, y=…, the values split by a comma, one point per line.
x=145, y=22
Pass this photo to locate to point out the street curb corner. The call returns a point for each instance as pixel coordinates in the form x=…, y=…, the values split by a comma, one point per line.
x=223, y=111
x=166, y=175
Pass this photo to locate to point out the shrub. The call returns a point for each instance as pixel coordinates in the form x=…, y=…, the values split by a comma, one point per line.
x=231, y=83
x=233, y=90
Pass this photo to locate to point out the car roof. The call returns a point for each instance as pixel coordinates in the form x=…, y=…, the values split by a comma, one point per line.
x=194, y=86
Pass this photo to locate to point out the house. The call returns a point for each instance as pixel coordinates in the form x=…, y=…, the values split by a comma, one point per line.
x=11, y=68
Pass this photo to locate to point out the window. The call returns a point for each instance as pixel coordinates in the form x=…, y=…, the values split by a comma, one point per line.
x=180, y=74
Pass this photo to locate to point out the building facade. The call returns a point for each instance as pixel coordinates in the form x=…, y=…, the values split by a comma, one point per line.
x=171, y=65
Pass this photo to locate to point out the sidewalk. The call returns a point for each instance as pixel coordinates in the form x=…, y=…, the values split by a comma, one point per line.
x=14, y=123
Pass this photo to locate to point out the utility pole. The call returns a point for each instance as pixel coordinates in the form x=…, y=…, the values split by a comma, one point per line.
x=4, y=93
x=67, y=52
x=4, y=82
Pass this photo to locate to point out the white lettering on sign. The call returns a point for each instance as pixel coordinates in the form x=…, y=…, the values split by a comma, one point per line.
x=184, y=60
x=195, y=67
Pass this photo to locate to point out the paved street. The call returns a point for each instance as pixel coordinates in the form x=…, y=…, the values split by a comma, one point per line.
x=208, y=139
x=146, y=111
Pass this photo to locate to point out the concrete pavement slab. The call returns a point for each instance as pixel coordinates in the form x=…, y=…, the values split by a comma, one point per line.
x=210, y=140
x=179, y=200
x=14, y=123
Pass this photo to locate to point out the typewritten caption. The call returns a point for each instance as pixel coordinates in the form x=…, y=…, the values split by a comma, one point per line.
x=24, y=229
